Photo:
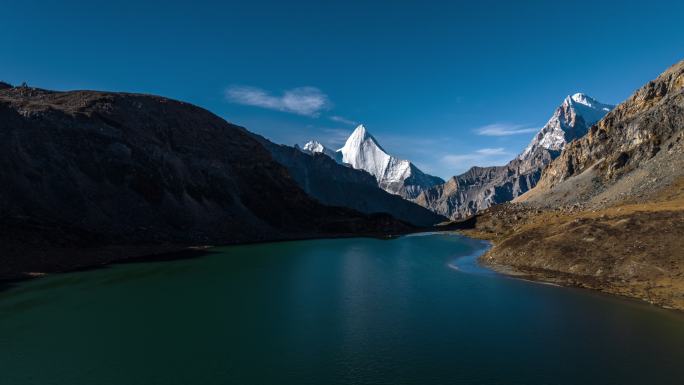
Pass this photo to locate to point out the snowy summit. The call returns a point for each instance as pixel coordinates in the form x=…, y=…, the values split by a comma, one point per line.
x=362, y=151
x=570, y=121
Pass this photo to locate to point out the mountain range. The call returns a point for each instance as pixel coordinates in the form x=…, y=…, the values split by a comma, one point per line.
x=481, y=187
x=336, y=184
x=363, y=152
x=608, y=212
x=89, y=177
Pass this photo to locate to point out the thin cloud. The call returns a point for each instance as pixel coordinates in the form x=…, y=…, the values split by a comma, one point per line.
x=340, y=119
x=491, y=151
x=504, y=129
x=481, y=157
x=307, y=101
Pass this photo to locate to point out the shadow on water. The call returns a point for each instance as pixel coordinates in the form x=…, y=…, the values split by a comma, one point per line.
x=333, y=311
x=15, y=284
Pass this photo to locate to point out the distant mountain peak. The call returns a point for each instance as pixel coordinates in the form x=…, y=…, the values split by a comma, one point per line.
x=362, y=151
x=570, y=121
x=480, y=187
x=586, y=100
x=316, y=147
x=358, y=137
x=360, y=130
x=313, y=146
x=580, y=98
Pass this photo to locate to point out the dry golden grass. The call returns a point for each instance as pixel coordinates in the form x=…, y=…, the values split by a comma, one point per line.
x=633, y=249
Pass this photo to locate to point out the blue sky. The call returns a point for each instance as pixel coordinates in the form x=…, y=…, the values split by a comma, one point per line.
x=426, y=78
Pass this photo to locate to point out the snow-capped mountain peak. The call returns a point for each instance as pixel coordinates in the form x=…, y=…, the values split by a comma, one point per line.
x=359, y=131
x=315, y=147
x=359, y=136
x=362, y=151
x=570, y=121
x=588, y=101
x=581, y=99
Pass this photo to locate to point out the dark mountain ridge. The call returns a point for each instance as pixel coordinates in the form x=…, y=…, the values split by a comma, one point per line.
x=86, y=171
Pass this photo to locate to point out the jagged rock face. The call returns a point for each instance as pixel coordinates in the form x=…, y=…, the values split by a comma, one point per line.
x=89, y=169
x=335, y=184
x=570, y=121
x=394, y=175
x=482, y=187
x=647, y=126
x=478, y=188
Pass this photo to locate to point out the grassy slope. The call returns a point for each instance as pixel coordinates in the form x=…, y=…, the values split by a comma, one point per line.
x=634, y=249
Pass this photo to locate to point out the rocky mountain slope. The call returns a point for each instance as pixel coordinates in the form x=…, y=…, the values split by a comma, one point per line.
x=397, y=176
x=90, y=177
x=478, y=188
x=608, y=212
x=643, y=133
x=335, y=184
x=570, y=121
x=482, y=187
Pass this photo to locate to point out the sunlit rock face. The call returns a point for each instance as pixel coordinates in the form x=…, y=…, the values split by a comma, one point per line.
x=482, y=187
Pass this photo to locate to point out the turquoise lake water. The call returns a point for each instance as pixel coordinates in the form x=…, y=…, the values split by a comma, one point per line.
x=412, y=310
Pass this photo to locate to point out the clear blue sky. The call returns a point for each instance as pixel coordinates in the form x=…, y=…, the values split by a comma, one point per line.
x=422, y=76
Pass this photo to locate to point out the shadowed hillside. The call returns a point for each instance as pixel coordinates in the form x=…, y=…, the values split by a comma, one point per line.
x=89, y=177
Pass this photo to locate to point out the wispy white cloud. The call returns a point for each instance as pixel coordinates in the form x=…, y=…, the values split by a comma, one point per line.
x=341, y=119
x=504, y=129
x=491, y=151
x=481, y=157
x=307, y=101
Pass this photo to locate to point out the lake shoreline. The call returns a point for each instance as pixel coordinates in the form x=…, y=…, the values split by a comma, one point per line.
x=557, y=278
x=166, y=253
x=125, y=254
x=317, y=309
